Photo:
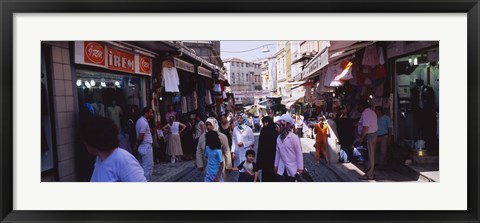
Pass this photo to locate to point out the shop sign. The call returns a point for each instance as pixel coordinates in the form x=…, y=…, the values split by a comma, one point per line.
x=145, y=65
x=120, y=60
x=94, y=53
x=101, y=55
x=204, y=72
x=316, y=64
x=182, y=65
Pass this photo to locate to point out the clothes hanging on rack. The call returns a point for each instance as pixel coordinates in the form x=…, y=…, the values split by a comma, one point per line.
x=170, y=79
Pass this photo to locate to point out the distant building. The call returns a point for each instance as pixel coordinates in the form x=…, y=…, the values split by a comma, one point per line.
x=243, y=77
x=268, y=73
x=207, y=50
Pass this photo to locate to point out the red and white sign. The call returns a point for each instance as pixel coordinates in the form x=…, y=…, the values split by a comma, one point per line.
x=120, y=60
x=145, y=65
x=94, y=53
x=102, y=55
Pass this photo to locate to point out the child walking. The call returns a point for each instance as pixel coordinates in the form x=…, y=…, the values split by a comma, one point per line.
x=215, y=163
x=248, y=169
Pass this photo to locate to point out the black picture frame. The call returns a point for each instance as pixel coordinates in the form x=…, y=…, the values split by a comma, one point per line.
x=9, y=7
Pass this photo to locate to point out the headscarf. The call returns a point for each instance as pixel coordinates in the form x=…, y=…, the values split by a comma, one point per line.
x=284, y=127
x=267, y=143
x=269, y=120
x=244, y=124
x=214, y=122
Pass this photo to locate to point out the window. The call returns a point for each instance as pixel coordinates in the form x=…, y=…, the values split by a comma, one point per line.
x=242, y=64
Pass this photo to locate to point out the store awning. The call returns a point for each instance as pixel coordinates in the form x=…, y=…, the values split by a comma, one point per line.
x=293, y=100
x=338, y=50
x=317, y=63
x=290, y=83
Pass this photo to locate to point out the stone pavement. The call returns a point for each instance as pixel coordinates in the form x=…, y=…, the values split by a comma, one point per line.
x=185, y=171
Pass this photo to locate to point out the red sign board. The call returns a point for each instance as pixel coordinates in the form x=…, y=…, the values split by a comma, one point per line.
x=94, y=53
x=145, y=65
x=120, y=60
x=106, y=56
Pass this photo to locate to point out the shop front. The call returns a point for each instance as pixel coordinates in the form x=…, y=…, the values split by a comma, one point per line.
x=415, y=66
x=111, y=82
x=400, y=77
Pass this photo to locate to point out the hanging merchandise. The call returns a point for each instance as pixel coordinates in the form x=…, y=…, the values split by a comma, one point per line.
x=381, y=57
x=370, y=56
x=322, y=87
x=337, y=73
x=189, y=104
x=155, y=106
x=217, y=88
x=379, y=72
x=195, y=100
x=310, y=94
x=170, y=78
x=184, y=105
x=379, y=88
x=222, y=84
x=345, y=69
x=208, y=97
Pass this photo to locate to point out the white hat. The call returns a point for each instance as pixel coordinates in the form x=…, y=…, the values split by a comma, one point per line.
x=287, y=118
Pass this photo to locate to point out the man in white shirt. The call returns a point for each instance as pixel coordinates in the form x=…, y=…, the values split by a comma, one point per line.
x=113, y=164
x=367, y=131
x=144, y=141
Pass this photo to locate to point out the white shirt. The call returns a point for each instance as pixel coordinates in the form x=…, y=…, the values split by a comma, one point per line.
x=289, y=155
x=120, y=166
x=368, y=119
x=174, y=128
x=143, y=127
x=170, y=79
x=245, y=136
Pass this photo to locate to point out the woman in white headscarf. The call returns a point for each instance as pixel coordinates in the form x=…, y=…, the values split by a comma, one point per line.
x=212, y=125
x=242, y=139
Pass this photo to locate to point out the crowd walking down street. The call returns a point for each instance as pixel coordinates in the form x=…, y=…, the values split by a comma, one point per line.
x=312, y=106
x=225, y=154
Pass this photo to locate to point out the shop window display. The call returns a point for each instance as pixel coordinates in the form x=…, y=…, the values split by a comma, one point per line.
x=417, y=82
x=118, y=97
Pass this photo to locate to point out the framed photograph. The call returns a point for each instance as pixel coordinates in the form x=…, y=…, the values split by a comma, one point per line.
x=110, y=71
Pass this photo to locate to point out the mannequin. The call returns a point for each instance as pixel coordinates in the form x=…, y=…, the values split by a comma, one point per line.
x=423, y=105
x=114, y=112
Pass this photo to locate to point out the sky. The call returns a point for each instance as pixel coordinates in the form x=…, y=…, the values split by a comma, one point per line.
x=229, y=49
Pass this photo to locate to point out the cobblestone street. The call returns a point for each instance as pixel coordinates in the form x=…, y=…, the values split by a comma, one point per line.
x=185, y=171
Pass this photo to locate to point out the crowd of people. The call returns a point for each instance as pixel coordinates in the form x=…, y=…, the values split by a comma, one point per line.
x=225, y=143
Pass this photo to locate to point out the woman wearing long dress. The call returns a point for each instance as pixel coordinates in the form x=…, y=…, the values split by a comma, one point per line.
x=174, y=145
x=242, y=139
x=267, y=145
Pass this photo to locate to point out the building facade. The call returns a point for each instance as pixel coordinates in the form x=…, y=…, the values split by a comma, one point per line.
x=268, y=74
x=243, y=77
x=207, y=50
